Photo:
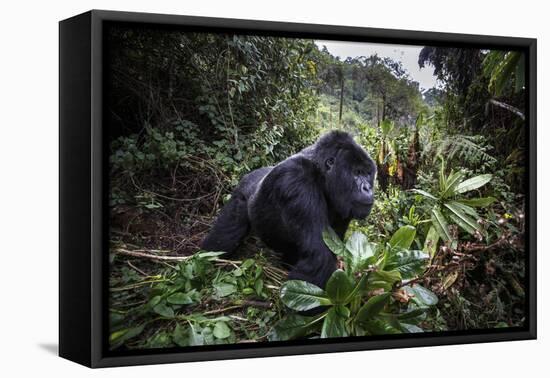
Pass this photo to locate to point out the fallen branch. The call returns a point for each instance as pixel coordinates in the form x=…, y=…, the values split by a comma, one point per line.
x=147, y=255
x=151, y=256
x=510, y=108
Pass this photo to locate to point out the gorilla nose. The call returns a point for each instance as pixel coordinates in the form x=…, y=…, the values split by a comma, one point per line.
x=365, y=188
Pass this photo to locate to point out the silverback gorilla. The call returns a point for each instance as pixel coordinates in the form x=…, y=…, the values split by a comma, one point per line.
x=289, y=205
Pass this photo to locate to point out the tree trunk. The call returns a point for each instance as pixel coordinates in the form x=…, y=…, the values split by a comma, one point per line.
x=341, y=96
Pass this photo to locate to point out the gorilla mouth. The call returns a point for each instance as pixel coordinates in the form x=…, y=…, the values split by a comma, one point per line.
x=361, y=209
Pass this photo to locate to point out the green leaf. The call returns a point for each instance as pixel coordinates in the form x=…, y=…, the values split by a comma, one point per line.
x=164, y=310
x=224, y=289
x=334, y=325
x=294, y=326
x=381, y=279
x=464, y=221
x=465, y=208
x=259, y=286
x=358, y=289
x=333, y=242
x=412, y=314
x=473, y=183
x=180, y=336
x=221, y=330
x=155, y=300
x=478, y=202
x=179, y=299
x=361, y=251
x=411, y=328
x=339, y=286
x=432, y=238
x=451, y=184
x=302, y=295
x=403, y=237
x=440, y=225
x=373, y=306
x=343, y=310
x=408, y=263
x=380, y=327
x=195, y=338
x=425, y=194
x=421, y=295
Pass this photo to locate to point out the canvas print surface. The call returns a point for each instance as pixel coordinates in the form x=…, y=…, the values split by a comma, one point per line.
x=266, y=189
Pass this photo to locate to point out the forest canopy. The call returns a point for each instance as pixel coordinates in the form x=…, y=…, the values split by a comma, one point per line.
x=190, y=113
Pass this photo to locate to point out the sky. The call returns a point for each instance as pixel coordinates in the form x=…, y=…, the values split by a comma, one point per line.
x=406, y=54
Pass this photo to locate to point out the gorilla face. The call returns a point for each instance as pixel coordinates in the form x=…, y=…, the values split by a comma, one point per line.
x=350, y=180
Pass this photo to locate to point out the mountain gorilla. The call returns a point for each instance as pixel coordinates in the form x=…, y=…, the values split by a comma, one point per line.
x=289, y=205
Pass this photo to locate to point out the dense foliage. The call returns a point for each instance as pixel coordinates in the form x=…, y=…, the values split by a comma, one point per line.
x=190, y=113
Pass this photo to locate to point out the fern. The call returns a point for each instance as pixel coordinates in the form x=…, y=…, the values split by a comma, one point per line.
x=470, y=150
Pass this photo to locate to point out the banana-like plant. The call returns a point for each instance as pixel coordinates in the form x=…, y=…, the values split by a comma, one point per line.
x=451, y=206
x=372, y=296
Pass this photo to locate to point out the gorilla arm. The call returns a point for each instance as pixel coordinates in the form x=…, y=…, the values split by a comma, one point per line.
x=289, y=212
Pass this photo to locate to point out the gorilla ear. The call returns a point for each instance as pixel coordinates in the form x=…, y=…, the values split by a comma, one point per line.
x=329, y=163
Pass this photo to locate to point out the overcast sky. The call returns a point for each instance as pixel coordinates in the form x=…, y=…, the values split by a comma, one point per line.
x=406, y=54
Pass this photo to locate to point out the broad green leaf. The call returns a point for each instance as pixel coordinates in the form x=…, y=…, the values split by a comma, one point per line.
x=373, y=306
x=465, y=226
x=421, y=295
x=430, y=244
x=164, y=310
x=359, y=288
x=302, y=295
x=294, y=326
x=412, y=314
x=379, y=327
x=411, y=328
x=451, y=184
x=339, y=286
x=478, y=202
x=361, y=251
x=403, y=237
x=408, y=263
x=343, y=310
x=440, y=225
x=221, y=330
x=425, y=194
x=465, y=208
x=334, y=325
x=381, y=279
x=333, y=242
x=180, y=336
x=473, y=183
x=464, y=221
x=155, y=300
x=224, y=289
x=195, y=338
x=179, y=298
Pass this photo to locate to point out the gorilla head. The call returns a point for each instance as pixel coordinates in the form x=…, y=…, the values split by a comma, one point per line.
x=349, y=174
x=290, y=205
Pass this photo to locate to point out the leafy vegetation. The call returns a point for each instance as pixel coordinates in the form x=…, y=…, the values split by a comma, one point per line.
x=375, y=294
x=190, y=113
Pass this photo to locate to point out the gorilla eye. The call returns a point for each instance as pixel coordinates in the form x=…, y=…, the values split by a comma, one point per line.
x=329, y=163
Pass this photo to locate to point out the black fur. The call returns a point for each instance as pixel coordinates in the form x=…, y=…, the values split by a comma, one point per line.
x=289, y=205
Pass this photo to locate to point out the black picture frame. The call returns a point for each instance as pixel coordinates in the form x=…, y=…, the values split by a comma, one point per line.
x=83, y=265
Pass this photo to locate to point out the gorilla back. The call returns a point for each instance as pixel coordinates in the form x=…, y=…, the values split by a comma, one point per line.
x=290, y=205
